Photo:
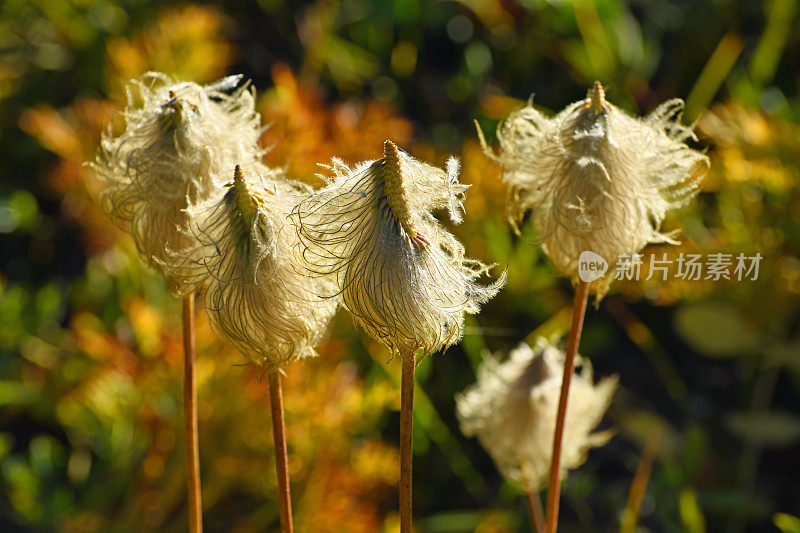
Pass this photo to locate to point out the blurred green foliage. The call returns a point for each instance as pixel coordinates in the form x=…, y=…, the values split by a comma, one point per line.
x=90, y=364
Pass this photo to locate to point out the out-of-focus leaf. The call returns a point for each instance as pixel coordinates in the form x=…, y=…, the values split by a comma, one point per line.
x=785, y=354
x=45, y=455
x=347, y=62
x=467, y=521
x=473, y=344
x=498, y=240
x=767, y=55
x=694, y=449
x=715, y=329
x=714, y=73
x=14, y=393
x=771, y=429
x=735, y=503
x=637, y=425
x=553, y=327
x=6, y=443
x=786, y=523
x=691, y=514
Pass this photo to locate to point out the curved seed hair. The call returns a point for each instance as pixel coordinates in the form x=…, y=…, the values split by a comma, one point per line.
x=243, y=254
x=177, y=137
x=595, y=178
x=402, y=276
x=512, y=411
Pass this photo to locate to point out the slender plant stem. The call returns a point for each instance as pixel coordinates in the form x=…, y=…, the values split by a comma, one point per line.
x=281, y=457
x=406, y=434
x=554, y=485
x=535, y=508
x=630, y=516
x=190, y=418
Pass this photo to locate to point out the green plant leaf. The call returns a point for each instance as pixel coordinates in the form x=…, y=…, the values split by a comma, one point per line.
x=715, y=329
x=691, y=514
x=786, y=523
x=778, y=429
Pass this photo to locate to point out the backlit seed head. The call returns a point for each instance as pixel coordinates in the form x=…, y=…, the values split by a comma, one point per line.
x=403, y=277
x=256, y=297
x=177, y=137
x=595, y=178
x=512, y=411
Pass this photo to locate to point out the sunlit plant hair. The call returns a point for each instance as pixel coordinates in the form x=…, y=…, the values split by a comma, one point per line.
x=243, y=253
x=512, y=411
x=595, y=178
x=177, y=137
x=403, y=277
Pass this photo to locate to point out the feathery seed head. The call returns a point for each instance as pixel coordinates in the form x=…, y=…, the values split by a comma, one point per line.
x=256, y=297
x=596, y=179
x=178, y=138
x=403, y=277
x=512, y=411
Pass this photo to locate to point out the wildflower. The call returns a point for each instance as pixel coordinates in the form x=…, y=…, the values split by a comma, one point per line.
x=512, y=411
x=596, y=178
x=243, y=252
x=177, y=137
x=404, y=278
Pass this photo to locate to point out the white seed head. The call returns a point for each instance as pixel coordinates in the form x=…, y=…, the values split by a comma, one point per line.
x=177, y=137
x=512, y=410
x=595, y=178
x=403, y=277
x=243, y=254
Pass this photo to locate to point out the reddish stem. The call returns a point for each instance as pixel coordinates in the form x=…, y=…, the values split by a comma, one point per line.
x=535, y=507
x=281, y=456
x=554, y=485
x=630, y=516
x=190, y=418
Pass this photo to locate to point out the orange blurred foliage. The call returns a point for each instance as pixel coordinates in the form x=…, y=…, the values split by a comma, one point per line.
x=185, y=43
x=304, y=132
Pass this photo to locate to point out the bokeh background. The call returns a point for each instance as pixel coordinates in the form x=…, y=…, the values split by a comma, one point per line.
x=90, y=357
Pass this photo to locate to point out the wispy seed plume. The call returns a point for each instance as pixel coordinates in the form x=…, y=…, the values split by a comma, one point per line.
x=512, y=411
x=404, y=278
x=256, y=297
x=594, y=178
x=178, y=136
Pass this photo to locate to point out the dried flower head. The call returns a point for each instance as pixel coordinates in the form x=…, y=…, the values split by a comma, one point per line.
x=596, y=178
x=177, y=137
x=243, y=252
x=512, y=410
x=404, y=278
